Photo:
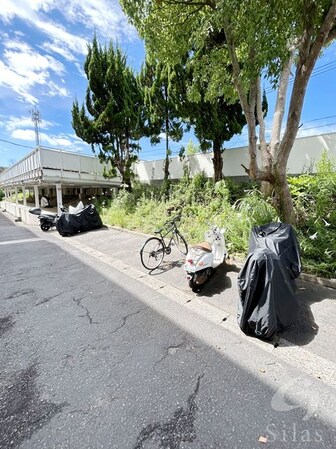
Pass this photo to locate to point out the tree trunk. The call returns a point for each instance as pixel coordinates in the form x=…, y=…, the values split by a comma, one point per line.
x=124, y=166
x=126, y=178
x=283, y=199
x=166, y=164
x=217, y=161
x=166, y=167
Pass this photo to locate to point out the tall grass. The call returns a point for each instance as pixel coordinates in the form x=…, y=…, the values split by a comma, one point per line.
x=237, y=208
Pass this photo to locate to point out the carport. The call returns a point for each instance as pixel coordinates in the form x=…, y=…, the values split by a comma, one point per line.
x=56, y=174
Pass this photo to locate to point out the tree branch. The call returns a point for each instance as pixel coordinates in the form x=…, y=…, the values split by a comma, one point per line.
x=331, y=36
x=308, y=54
x=280, y=105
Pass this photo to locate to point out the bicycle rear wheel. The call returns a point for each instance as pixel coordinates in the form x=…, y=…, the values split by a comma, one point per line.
x=180, y=243
x=151, y=253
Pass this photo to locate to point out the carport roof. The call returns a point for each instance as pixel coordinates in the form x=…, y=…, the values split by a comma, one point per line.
x=45, y=166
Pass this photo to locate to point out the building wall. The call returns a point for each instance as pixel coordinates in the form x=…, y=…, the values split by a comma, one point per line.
x=305, y=153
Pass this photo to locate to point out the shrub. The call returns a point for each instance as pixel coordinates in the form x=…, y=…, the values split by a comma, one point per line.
x=203, y=202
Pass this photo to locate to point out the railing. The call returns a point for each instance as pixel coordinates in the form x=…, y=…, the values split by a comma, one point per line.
x=51, y=166
x=44, y=164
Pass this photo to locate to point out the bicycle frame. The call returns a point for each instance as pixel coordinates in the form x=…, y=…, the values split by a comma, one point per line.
x=173, y=230
x=154, y=248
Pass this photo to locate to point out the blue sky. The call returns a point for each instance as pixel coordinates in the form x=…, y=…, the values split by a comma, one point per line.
x=43, y=44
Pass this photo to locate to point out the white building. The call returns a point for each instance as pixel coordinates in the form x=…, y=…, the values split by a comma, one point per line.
x=59, y=174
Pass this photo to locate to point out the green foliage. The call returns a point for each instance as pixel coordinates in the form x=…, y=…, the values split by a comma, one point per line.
x=2, y=194
x=237, y=207
x=110, y=118
x=230, y=47
x=314, y=199
x=192, y=149
x=161, y=91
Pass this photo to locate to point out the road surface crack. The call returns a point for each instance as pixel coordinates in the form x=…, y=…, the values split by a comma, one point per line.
x=78, y=302
x=180, y=429
x=170, y=350
x=125, y=318
x=45, y=300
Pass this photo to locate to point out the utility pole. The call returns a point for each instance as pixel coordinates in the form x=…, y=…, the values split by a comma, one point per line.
x=36, y=119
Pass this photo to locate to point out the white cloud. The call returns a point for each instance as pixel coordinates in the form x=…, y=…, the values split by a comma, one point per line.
x=103, y=16
x=20, y=84
x=60, y=49
x=27, y=135
x=22, y=69
x=21, y=56
x=61, y=141
x=61, y=38
x=11, y=124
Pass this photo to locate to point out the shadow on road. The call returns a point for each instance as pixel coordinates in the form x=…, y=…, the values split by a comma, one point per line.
x=166, y=266
x=217, y=283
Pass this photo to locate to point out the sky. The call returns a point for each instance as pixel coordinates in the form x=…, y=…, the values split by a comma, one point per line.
x=43, y=44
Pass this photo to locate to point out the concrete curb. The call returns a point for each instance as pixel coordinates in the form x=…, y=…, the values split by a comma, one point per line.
x=331, y=283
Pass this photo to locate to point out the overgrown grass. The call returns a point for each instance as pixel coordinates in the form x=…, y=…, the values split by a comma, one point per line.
x=237, y=208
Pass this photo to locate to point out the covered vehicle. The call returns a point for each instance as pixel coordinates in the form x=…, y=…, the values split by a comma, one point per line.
x=80, y=219
x=266, y=283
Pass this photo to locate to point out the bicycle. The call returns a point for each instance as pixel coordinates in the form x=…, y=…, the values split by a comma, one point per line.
x=154, y=248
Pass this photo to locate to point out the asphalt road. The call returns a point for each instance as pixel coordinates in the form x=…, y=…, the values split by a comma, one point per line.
x=90, y=358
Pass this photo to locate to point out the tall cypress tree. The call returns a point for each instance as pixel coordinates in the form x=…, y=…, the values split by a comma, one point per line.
x=110, y=119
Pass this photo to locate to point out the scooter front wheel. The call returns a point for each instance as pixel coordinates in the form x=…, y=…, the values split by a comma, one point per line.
x=45, y=227
x=152, y=252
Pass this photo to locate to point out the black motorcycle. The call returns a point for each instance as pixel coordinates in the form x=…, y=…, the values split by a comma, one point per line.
x=47, y=221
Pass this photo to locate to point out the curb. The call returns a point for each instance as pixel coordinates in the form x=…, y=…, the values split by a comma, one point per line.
x=331, y=283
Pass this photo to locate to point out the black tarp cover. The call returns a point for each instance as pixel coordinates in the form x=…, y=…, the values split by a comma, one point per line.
x=85, y=220
x=267, y=292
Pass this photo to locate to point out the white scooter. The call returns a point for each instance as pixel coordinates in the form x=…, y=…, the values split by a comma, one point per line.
x=204, y=257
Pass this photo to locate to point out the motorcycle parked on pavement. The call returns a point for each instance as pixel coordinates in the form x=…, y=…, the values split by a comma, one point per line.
x=47, y=220
x=203, y=258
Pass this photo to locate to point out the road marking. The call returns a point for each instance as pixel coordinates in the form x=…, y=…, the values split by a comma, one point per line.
x=14, y=242
x=294, y=355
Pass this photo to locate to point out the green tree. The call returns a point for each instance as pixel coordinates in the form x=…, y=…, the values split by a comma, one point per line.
x=214, y=119
x=111, y=118
x=215, y=122
x=263, y=38
x=156, y=80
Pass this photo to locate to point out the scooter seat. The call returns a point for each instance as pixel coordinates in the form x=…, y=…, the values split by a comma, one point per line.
x=205, y=246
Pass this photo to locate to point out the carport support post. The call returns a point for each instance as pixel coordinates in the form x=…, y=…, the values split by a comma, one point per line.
x=36, y=195
x=24, y=196
x=16, y=196
x=59, y=197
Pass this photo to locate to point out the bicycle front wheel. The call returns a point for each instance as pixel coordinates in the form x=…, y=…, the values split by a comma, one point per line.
x=180, y=243
x=152, y=252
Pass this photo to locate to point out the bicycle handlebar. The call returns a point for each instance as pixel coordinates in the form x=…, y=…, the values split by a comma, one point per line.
x=171, y=222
